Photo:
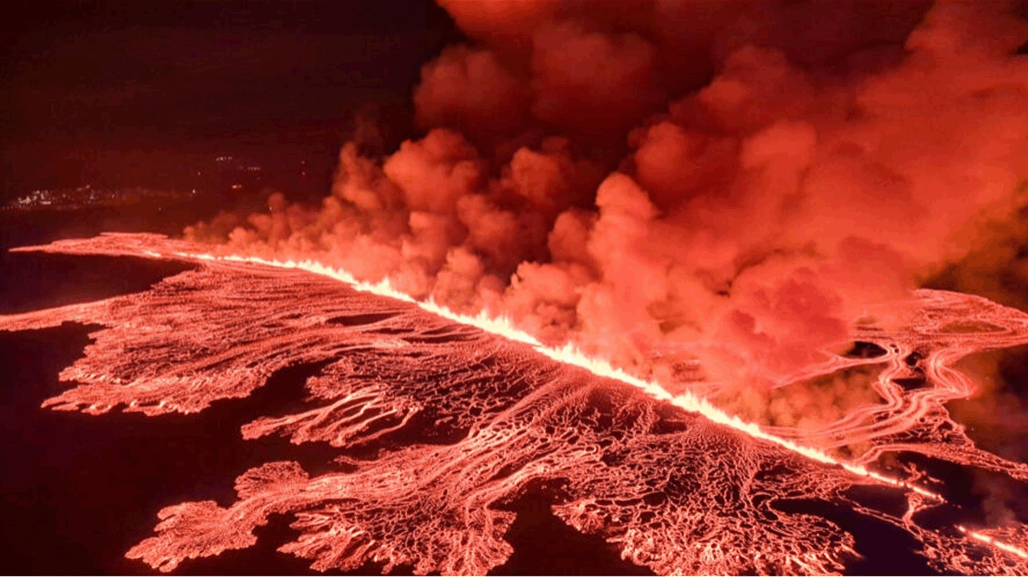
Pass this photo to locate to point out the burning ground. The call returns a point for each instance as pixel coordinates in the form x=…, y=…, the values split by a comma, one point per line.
x=439, y=424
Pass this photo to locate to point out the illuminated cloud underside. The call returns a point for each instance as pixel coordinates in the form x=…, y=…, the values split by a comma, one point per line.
x=672, y=482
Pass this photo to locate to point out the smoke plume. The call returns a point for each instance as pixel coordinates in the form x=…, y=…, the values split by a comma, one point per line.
x=658, y=181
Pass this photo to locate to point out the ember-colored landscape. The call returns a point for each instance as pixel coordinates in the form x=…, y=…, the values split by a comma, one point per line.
x=442, y=420
x=515, y=286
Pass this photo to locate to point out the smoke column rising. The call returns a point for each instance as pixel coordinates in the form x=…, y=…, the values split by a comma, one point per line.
x=656, y=181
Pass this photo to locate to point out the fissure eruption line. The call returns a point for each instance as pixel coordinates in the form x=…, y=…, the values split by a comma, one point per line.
x=980, y=537
x=654, y=482
x=570, y=355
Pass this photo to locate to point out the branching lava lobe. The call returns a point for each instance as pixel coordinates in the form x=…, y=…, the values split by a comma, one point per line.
x=461, y=414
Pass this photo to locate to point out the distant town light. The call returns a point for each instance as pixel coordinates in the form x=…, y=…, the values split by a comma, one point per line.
x=89, y=196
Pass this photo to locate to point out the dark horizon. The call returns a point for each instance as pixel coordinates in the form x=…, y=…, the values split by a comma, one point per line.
x=117, y=91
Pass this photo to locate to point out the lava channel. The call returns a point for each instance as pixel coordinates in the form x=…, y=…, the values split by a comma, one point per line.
x=441, y=422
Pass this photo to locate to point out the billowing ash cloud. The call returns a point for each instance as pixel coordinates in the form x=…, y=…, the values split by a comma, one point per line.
x=734, y=181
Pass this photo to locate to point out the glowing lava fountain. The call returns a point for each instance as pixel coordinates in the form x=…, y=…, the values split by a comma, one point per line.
x=461, y=415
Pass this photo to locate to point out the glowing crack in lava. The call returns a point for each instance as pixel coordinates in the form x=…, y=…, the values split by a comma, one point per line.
x=462, y=418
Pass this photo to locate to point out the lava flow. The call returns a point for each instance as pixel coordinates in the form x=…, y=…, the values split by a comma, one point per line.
x=442, y=421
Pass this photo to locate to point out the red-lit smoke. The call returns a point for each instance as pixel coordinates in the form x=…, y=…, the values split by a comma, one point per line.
x=734, y=181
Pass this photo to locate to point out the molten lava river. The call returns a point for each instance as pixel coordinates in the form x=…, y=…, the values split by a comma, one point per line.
x=440, y=422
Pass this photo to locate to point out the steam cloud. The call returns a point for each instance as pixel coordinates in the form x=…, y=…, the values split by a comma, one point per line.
x=661, y=180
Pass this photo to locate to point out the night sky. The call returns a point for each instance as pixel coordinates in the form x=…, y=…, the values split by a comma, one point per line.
x=116, y=91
